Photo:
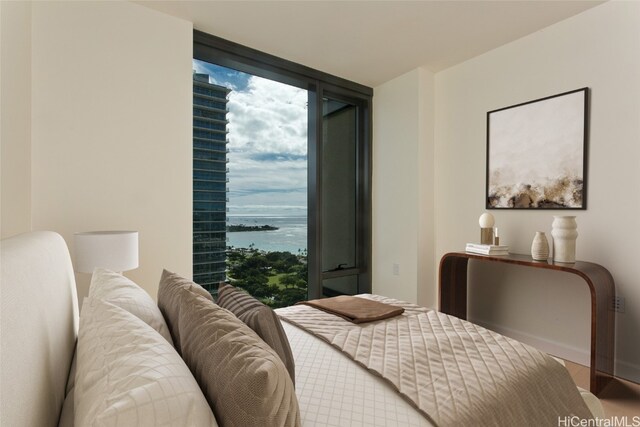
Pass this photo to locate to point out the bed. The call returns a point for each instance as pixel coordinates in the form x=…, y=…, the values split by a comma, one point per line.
x=50, y=366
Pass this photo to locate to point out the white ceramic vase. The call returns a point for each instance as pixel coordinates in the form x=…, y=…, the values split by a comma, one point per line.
x=540, y=247
x=564, y=232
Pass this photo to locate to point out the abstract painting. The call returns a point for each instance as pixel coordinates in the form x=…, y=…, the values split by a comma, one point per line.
x=537, y=153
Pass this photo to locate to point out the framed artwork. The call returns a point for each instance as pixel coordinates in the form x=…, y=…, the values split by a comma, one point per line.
x=537, y=153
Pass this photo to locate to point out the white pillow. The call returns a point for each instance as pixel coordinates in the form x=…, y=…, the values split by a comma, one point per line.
x=119, y=290
x=127, y=374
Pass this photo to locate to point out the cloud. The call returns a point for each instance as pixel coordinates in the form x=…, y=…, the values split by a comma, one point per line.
x=277, y=157
x=268, y=143
x=268, y=117
x=222, y=76
x=267, y=182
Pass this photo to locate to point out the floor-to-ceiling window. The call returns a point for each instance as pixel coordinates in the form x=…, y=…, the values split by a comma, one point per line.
x=262, y=139
x=297, y=177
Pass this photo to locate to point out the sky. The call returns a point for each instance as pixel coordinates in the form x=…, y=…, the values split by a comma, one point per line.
x=267, y=143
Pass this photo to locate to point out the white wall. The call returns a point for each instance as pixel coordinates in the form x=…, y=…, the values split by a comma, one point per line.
x=111, y=128
x=402, y=188
x=599, y=48
x=15, y=120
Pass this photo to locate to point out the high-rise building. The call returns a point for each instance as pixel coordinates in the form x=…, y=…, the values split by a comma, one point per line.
x=209, y=181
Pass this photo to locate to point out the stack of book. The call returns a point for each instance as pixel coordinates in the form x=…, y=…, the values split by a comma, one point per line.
x=477, y=248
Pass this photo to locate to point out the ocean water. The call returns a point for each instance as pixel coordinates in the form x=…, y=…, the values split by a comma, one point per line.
x=291, y=235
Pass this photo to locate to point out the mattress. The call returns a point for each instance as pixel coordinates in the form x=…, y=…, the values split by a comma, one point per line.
x=332, y=390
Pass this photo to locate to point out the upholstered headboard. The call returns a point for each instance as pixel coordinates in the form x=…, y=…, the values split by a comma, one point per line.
x=38, y=328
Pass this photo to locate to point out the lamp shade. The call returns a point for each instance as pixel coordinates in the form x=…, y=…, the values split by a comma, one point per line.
x=113, y=250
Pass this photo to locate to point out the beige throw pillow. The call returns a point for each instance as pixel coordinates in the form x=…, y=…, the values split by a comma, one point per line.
x=243, y=379
x=123, y=292
x=129, y=375
x=170, y=292
x=262, y=319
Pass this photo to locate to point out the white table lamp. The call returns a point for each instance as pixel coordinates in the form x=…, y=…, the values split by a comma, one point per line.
x=113, y=250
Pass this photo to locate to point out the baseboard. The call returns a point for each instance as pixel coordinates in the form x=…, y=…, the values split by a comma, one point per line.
x=625, y=370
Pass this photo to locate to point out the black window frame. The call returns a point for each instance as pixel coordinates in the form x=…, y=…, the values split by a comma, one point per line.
x=219, y=51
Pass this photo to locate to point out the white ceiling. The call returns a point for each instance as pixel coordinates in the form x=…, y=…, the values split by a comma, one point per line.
x=371, y=42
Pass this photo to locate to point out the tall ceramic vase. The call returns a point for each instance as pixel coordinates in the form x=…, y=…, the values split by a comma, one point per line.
x=540, y=247
x=564, y=232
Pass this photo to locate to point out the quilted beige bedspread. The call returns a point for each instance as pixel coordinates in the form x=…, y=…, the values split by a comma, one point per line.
x=452, y=371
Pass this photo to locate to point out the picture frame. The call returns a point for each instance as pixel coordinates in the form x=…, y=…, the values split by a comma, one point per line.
x=537, y=153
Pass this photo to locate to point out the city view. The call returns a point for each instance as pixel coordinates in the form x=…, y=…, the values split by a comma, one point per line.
x=249, y=184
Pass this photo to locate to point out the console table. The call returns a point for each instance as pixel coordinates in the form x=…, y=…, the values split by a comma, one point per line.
x=453, y=301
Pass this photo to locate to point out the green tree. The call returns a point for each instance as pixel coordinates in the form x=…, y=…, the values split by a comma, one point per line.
x=250, y=269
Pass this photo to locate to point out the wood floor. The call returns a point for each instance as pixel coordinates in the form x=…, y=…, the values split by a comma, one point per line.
x=618, y=399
